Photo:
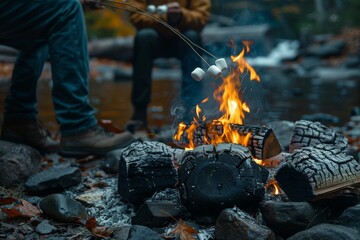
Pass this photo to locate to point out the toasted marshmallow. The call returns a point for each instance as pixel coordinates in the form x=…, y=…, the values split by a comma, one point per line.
x=214, y=71
x=151, y=8
x=198, y=74
x=221, y=64
x=162, y=9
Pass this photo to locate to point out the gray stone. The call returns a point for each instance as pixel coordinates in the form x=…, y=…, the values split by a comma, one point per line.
x=351, y=217
x=122, y=233
x=328, y=232
x=288, y=218
x=233, y=223
x=111, y=161
x=53, y=179
x=17, y=163
x=45, y=228
x=62, y=208
x=141, y=232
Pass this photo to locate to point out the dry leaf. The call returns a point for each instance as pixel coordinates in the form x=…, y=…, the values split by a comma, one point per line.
x=109, y=126
x=184, y=231
x=21, y=208
x=100, y=232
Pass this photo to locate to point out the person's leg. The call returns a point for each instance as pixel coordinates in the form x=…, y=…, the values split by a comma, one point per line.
x=146, y=46
x=61, y=25
x=22, y=100
x=191, y=92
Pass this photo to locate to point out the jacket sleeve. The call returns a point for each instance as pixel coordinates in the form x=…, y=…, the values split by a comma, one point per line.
x=197, y=16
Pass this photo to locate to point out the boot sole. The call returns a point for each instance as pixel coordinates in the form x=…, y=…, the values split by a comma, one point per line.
x=19, y=141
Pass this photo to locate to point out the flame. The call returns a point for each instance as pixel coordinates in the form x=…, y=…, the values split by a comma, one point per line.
x=231, y=106
x=272, y=183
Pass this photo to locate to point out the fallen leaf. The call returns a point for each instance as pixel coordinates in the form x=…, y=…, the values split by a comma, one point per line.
x=21, y=208
x=184, y=231
x=100, y=232
x=109, y=126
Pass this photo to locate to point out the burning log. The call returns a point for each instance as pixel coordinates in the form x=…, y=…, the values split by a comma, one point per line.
x=145, y=168
x=220, y=177
x=307, y=134
x=313, y=173
x=262, y=143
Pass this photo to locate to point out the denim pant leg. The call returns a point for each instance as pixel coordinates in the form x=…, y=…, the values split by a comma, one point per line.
x=146, y=45
x=22, y=100
x=61, y=25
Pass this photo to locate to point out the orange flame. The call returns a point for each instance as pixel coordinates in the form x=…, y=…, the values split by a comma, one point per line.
x=272, y=183
x=231, y=106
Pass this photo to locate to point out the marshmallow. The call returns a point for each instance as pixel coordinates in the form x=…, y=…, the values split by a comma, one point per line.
x=214, y=71
x=162, y=9
x=221, y=64
x=198, y=74
x=151, y=8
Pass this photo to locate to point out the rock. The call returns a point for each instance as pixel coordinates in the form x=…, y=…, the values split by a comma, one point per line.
x=288, y=218
x=45, y=228
x=351, y=217
x=53, y=180
x=233, y=223
x=62, y=208
x=140, y=232
x=328, y=232
x=122, y=233
x=17, y=163
x=333, y=48
x=111, y=161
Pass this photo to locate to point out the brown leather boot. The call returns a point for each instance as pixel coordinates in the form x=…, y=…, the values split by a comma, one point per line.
x=95, y=141
x=30, y=132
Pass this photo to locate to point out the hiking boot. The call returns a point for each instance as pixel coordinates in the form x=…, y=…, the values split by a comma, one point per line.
x=95, y=141
x=30, y=132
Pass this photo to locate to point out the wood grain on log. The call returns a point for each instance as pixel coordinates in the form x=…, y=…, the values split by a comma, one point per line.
x=312, y=172
x=307, y=134
x=145, y=168
x=219, y=177
x=263, y=143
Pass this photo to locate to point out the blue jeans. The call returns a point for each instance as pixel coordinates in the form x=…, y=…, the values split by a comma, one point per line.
x=148, y=45
x=42, y=28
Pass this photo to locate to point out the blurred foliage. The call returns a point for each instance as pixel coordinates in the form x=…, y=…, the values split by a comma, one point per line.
x=289, y=17
x=107, y=23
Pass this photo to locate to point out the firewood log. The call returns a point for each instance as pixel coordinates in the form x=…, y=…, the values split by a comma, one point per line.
x=219, y=177
x=312, y=173
x=145, y=168
x=262, y=144
x=307, y=134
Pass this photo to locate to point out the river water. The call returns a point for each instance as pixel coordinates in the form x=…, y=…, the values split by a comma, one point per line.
x=278, y=96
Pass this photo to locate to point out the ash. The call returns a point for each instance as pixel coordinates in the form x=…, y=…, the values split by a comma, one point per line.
x=111, y=211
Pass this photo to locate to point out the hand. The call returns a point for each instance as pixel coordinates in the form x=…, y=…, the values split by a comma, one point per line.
x=92, y=4
x=174, y=13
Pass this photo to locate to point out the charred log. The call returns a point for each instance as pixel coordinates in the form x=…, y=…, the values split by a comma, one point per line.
x=307, y=134
x=145, y=168
x=220, y=177
x=262, y=144
x=317, y=172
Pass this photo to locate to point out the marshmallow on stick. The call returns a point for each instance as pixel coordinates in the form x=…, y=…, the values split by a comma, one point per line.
x=214, y=71
x=162, y=9
x=151, y=8
x=198, y=74
x=221, y=64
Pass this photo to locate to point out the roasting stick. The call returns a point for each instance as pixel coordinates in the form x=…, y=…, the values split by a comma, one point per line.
x=129, y=7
